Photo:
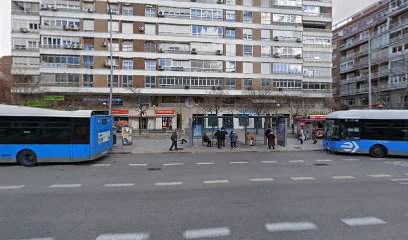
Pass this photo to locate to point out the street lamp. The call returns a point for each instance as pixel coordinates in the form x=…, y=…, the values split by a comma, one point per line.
x=111, y=59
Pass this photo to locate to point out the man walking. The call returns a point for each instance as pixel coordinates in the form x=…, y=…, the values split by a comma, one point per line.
x=173, y=141
x=218, y=135
x=223, y=136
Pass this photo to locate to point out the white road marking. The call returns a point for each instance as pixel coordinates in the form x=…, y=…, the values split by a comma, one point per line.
x=205, y=163
x=124, y=236
x=138, y=164
x=324, y=160
x=290, y=226
x=343, y=177
x=173, y=164
x=207, y=233
x=403, y=183
x=268, y=161
x=302, y=178
x=261, y=179
x=65, y=185
x=296, y=161
x=215, y=181
x=11, y=187
x=366, y=221
x=40, y=239
x=351, y=159
x=119, y=185
x=377, y=159
x=406, y=174
x=238, y=162
x=101, y=165
x=168, y=183
x=399, y=180
x=380, y=175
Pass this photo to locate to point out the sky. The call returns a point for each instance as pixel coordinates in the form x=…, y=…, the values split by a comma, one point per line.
x=341, y=10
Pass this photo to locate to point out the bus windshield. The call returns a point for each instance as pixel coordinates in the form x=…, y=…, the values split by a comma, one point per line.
x=332, y=129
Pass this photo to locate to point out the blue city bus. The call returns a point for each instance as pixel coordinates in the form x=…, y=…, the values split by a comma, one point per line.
x=34, y=135
x=375, y=132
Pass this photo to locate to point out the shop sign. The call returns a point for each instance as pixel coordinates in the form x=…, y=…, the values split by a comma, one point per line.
x=318, y=117
x=36, y=104
x=54, y=98
x=120, y=112
x=165, y=112
x=249, y=112
x=88, y=99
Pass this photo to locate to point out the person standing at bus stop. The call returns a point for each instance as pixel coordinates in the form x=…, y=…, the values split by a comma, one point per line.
x=173, y=141
x=223, y=136
x=271, y=140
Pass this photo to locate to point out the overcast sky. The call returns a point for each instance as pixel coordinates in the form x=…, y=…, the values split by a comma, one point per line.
x=341, y=10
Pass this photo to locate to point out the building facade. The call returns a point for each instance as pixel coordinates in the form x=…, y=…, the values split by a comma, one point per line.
x=383, y=28
x=5, y=80
x=171, y=57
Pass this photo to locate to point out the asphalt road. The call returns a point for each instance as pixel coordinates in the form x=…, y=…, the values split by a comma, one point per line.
x=251, y=196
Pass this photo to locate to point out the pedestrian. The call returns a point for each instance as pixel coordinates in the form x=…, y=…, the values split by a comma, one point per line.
x=268, y=131
x=218, y=136
x=301, y=135
x=223, y=136
x=271, y=140
x=233, y=138
x=173, y=141
x=183, y=136
x=314, y=135
x=207, y=140
x=250, y=139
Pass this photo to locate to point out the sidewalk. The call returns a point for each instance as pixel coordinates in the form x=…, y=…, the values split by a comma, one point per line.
x=163, y=145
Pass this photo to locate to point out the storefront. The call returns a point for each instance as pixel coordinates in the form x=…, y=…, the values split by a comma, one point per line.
x=311, y=123
x=166, y=119
x=120, y=118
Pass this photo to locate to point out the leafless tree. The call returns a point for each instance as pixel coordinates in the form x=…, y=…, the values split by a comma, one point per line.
x=215, y=100
x=141, y=104
x=24, y=89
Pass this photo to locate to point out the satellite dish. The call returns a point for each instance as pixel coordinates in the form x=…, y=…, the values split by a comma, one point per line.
x=190, y=102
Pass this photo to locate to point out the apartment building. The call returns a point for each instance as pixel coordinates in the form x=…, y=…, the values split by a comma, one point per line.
x=172, y=54
x=383, y=27
x=5, y=80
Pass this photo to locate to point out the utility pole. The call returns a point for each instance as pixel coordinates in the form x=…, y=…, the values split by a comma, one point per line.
x=111, y=59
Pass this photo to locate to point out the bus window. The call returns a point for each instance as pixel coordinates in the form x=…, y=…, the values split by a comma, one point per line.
x=332, y=129
x=80, y=131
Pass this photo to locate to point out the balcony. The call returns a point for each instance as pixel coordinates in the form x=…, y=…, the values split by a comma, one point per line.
x=352, y=80
x=59, y=65
x=347, y=57
x=351, y=45
x=25, y=12
x=25, y=48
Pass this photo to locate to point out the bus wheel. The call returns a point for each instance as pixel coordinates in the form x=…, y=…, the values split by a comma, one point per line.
x=378, y=151
x=27, y=158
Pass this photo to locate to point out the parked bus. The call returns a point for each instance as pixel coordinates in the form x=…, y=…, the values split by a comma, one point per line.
x=375, y=132
x=33, y=135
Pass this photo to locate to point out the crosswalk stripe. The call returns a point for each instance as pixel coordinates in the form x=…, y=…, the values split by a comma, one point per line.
x=205, y=163
x=48, y=238
x=239, y=162
x=65, y=185
x=11, y=187
x=351, y=159
x=119, y=185
x=365, y=221
x=124, y=236
x=324, y=160
x=207, y=233
x=268, y=161
x=168, y=183
x=343, y=177
x=379, y=175
x=138, y=164
x=302, y=178
x=261, y=179
x=290, y=226
x=296, y=161
x=101, y=165
x=215, y=181
x=399, y=180
x=173, y=164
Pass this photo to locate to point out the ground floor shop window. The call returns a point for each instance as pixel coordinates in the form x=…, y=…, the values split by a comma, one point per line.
x=167, y=123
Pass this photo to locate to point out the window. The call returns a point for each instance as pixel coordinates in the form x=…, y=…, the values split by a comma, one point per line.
x=205, y=14
x=265, y=18
x=231, y=84
x=248, y=50
x=266, y=51
x=87, y=61
x=231, y=50
x=150, y=29
x=89, y=25
x=150, y=47
x=247, y=3
x=127, y=27
x=150, y=81
x=115, y=82
x=150, y=12
x=287, y=68
x=265, y=68
x=127, y=64
x=230, y=66
x=247, y=34
x=127, y=81
x=88, y=80
x=230, y=16
x=115, y=47
x=266, y=83
x=287, y=84
x=230, y=2
x=230, y=33
x=33, y=26
x=127, y=10
x=248, y=67
x=364, y=35
x=265, y=35
x=286, y=18
x=150, y=65
x=207, y=31
x=247, y=17
x=115, y=26
x=265, y=3
x=127, y=46
x=247, y=84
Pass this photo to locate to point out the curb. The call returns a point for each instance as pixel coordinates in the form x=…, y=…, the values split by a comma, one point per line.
x=199, y=152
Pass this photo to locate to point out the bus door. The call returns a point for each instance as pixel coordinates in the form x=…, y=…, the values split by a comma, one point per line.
x=80, y=139
x=351, y=130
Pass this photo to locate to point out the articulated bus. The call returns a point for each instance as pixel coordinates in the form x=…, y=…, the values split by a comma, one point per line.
x=375, y=132
x=33, y=135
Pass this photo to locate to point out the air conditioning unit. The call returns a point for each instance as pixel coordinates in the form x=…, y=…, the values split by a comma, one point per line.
x=161, y=50
x=276, y=55
x=298, y=40
x=127, y=4
x=75, y=28
x=54, y=8
x=193, y=51
x=24, y=30
x=141, y=29
x=276, y=38
x=160, y=14
x=218, y=52
x=104, y=44
x=44, y=7
x=220, y=1
x=90, y=10
x=68, y=46
x=299, y=56
x=160, y=68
